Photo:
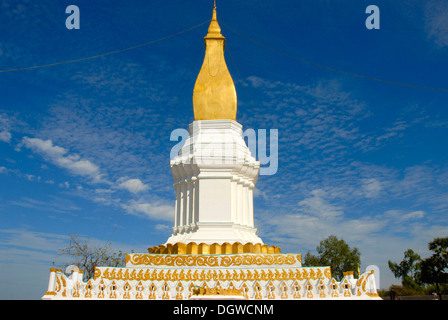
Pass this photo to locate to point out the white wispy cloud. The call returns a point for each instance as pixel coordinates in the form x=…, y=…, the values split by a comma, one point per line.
x=322, y=119
x=321, y=135
x=5, y=136
x=53, y=204
x=318, y=117
x=374, y=141
x=371, y=187
x=436, y=16
x=258, y=193
x=61, y=158
x=157, y=210
x=32, y=240
x=105, y=195
x=399, y=216
x=318, y=206
x=115, y=139
x=132, y=185
x=5, y=128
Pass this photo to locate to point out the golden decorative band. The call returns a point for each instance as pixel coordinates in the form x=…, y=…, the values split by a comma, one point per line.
x=213, y=274
x=215, y=248
x=212, y=260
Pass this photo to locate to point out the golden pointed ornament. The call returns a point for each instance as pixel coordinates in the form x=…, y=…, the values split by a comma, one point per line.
x=214, y=94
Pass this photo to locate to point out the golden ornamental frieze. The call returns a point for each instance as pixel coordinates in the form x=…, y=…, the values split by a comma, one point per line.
x=212, y=274
x=214, y=248
x=212, y=260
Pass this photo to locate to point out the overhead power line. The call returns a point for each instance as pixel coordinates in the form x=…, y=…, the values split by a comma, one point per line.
x=239, y=33
x=329, y=68
x=107, y=53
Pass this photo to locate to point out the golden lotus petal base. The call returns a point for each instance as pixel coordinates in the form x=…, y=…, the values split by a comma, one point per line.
x=215, y=248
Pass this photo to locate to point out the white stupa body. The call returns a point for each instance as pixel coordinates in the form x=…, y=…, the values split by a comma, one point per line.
x=214, y=178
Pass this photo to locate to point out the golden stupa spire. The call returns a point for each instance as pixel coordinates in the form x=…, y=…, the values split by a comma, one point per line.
x=214, y=94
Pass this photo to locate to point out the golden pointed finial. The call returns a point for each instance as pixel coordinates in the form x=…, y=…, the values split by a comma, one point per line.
x=214, y=94
x=214, y=29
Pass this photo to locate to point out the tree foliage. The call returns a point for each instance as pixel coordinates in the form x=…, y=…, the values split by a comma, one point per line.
x=434, y=270
x=87, y=255
x=407, y=269
x=337, y=254
x=415, y=273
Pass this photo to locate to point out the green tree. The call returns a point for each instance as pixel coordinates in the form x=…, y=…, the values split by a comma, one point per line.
x=434, y=270
x=337, y=254
x=87, y=256
x=407, y=269
x=311, y=260
x=440, y=248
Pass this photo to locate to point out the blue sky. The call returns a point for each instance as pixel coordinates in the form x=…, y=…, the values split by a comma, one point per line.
x=84, y=146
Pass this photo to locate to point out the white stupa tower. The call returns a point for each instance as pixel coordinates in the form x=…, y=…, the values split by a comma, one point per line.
x=214, y=173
